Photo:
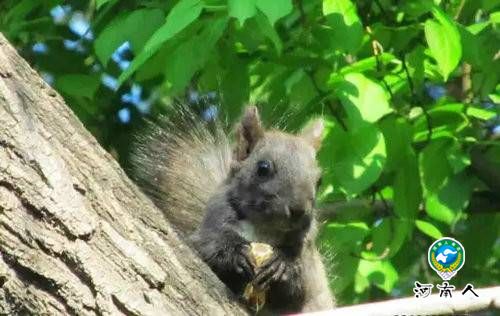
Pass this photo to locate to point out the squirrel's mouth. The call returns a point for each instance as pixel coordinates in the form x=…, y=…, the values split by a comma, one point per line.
x=288, y=225
x=305, y=222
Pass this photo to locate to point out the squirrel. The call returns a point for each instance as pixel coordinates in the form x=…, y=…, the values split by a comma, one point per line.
x=224, y=196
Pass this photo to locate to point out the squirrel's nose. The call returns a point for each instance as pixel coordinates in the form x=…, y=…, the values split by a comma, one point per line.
x=297, y=212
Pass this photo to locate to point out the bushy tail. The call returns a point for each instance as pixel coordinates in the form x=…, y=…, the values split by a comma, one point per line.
x=179, y=161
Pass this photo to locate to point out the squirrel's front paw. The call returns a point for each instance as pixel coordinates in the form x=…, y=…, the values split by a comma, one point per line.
x=242, y=262
x=278, y=269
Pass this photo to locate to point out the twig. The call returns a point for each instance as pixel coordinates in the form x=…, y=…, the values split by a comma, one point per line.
x=466, y=83
x=337, y=116
x=382, y=10
x=408, y=77
x=377, y=50
x=321, y=97
x=480, y=202
x=302, y=12
x=384, y=202
x=459, y=11
x=429, y=124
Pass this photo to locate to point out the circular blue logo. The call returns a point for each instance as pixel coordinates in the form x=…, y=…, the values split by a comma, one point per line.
x=446, y=256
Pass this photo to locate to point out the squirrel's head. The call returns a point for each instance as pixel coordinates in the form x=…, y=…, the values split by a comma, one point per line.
x=275, y=175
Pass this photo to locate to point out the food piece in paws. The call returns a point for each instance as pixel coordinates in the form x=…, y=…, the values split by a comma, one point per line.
x=259, y=254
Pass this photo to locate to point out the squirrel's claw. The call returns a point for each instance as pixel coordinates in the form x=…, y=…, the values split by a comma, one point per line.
x=272, y=271
x=243, y=264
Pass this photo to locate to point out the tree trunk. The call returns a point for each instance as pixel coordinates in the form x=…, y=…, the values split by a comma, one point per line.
x=77, y=236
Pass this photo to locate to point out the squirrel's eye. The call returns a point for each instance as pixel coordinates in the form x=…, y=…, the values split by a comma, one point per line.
x=264, y=168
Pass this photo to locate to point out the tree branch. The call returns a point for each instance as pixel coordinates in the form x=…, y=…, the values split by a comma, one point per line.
x=77, y=237
x=489, y=298
x=480, y=202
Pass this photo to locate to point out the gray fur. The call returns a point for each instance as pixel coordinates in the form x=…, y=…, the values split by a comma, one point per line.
x=194, y=169
x=179, y=162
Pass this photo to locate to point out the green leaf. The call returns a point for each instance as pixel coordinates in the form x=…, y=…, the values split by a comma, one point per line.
x=192, y=55
x=434, y=166
x=495, y=17
x=366, y=64
x=401, y=159
x=388, y=236
x=428, y=229
x=346, y=27
x=407, y=189
x=484, y=83
x=477, y=28
x=492, y=156
x=380, y=273
x=275, y=9
x=396, y=83
x=269, y=87
x=352, y=159
x=300, y=88
x=20, y=10
x=124, y=28
x=415, y=64
x=447, y=204
x=457, y=158
x=398, y=38
x=382, y=234
x=209, y=77
x=480, y=229
x=344, y=270
x=471, y=44
x=181, y=15
x=294, y=79
x=441, y=114
x=495, y=97
x=343, y=7
x=416, y=8
x=78, y=85
x=361, y=283
x=398, y=135
x=345, y=236
x=241, y=9
x=235, y=87
x=480, y=113
x=443, y=39
x=362, y=98
x=268, y=30
x=447, y=120
x=181, y=66
x=100, y=3
x=251, y=36
x=342, y=240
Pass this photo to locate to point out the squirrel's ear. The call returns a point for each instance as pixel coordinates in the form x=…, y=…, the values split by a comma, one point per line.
x=313, y=132
x=248, y=132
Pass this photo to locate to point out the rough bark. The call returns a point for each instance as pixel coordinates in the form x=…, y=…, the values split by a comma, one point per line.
x=76, y=236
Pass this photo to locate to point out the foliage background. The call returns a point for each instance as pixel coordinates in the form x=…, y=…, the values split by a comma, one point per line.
x=409, y=90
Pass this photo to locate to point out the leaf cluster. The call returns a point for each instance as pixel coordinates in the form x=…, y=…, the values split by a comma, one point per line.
x=409, y=91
